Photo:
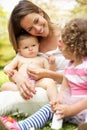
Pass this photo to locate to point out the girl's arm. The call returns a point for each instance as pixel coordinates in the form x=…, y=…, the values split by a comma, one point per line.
x=64, y=85
x=57, y=102
x=68, y=110
x=71, y=110
x=78, y=107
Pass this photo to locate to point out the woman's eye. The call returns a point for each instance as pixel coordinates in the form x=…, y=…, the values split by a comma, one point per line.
x=29, y=29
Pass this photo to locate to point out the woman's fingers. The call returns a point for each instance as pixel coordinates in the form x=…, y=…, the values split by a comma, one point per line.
x=27, y=90
x=34, y=74
x=31, y=71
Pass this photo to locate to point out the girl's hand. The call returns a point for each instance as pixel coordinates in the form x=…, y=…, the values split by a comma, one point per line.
x=64, y=111
x=54, y=105
x=25, y=87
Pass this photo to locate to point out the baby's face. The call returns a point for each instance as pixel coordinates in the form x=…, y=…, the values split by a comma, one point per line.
x=28, y=47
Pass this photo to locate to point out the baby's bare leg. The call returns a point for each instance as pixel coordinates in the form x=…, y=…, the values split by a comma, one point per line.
x=50, y=86
x=9, y=86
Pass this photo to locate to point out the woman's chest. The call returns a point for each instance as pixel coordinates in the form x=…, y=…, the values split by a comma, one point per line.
x=48, y=44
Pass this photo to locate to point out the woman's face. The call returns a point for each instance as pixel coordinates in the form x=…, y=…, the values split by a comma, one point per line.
x=35, y=24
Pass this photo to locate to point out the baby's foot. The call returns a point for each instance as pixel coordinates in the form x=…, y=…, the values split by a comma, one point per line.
x=8, y=123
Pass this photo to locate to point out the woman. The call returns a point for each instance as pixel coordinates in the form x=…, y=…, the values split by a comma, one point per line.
x=26, y=17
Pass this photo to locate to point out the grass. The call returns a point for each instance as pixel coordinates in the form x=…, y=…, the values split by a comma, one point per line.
x=20, y=116
x=3, y=77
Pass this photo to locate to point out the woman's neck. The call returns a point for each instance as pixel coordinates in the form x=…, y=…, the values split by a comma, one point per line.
x=50, y=42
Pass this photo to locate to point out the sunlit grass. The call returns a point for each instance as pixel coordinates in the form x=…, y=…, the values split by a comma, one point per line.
x=3, y=77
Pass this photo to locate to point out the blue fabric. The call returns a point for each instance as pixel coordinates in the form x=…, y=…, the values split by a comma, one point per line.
x=38, y=119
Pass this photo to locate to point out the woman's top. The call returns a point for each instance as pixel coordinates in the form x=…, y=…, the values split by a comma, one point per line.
x=77, y=77
x=60, y=60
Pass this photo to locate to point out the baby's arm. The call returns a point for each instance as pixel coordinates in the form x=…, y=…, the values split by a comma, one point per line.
x=52, y=62
x=49, y=63
x=11, y=67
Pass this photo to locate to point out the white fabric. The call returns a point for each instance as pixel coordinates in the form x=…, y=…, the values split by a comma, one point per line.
x=12, y=101
x=61, y=62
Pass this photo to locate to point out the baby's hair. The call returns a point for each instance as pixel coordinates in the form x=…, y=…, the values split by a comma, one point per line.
x=24, y=36
x=74, y=36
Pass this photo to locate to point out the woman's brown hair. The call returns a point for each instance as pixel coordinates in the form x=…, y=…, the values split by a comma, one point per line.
x=23, y=8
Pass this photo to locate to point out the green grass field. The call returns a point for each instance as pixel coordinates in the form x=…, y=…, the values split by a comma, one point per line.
x=3, y=77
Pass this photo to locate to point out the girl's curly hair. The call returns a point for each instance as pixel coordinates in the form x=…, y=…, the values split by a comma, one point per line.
x=74, y=36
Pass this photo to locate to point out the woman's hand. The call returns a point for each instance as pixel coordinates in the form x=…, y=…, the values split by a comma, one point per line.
x=39, y=73
x=25, y=87
x=36, y=74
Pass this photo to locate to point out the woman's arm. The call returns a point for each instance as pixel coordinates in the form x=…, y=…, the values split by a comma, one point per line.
x=45, y=73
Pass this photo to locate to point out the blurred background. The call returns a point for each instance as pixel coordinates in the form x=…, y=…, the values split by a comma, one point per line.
x=60, y=11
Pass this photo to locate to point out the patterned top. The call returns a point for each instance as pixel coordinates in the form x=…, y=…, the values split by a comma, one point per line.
x=61, y=62
x=77, y=77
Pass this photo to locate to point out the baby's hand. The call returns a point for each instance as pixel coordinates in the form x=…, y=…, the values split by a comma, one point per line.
x=9, y=72
x=52, y=62
x=51, y=59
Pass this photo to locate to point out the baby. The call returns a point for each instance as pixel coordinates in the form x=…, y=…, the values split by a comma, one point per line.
x=28, y=56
